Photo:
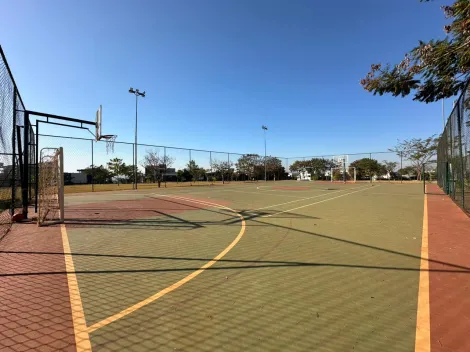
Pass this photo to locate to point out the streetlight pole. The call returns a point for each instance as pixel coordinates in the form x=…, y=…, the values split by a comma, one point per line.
x=265, y=128
x=137, y=94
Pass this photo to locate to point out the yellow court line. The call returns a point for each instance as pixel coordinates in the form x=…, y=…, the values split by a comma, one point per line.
x=423, y=328
x=82, y=339
x=181, y=282
x=320, y=201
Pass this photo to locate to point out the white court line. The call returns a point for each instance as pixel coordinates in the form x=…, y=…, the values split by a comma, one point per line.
x=293, y=201
x=287, y=190
x=275, y=195
x=321, y=201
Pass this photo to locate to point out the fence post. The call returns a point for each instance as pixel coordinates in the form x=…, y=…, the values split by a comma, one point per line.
x=462, y=169
x=401, y=167
x=13, y=164
x=36, y=178
x=165, y=161
x=370, y=158
x=135, y=166
x=92, y=167
x=228, y=168
x=25, y=178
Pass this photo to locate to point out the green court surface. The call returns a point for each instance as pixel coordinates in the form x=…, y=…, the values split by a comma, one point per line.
x=299, y=266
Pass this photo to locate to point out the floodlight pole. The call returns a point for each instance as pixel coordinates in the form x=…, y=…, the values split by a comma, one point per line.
x=137, y=94
x=265, y=128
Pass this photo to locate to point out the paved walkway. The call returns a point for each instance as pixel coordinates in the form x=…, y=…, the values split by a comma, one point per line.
x=449, y=286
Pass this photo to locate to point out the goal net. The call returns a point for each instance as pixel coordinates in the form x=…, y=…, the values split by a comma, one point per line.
x=51, y=186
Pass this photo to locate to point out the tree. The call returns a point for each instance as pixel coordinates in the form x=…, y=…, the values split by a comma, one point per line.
x=195, y=171
x=274, y=167
x=418, y=151
x=390, y=167
x=409, y=171
x=98, y=174
x=156, y=165
x=180, y=176
x=128, y=171
x=247, y=164
x=222, y=167
x=316, y=166
x=117, y=168
x=366, y=168
x=434, y=70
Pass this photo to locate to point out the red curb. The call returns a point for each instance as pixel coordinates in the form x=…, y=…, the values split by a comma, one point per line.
x=449, y=292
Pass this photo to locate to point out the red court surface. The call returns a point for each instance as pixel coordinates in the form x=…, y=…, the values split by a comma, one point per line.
x=449, y=286
x=35, y=313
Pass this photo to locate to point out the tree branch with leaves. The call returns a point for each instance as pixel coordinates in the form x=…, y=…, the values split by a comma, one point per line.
x=418, y=151
x=433, y=70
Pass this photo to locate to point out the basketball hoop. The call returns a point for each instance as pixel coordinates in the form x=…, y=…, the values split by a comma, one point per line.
x=110, y=139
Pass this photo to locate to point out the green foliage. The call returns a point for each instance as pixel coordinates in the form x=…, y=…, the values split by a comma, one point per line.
x=117, y=169
x=223, y=169
x=180, y=176
x=100, y=174
x=316, y=166
x=418, y=151
x=367, y=168
x=408, y=171
x=433, y=70
x=249, y=164
x=195, y=172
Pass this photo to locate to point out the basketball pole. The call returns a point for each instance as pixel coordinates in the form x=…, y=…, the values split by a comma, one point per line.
x=135, y=143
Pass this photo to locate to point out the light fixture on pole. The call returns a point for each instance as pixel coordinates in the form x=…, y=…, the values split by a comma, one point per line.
x=265, y=128
x=137, y=94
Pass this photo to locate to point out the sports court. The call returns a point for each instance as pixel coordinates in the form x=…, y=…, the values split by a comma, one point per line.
x=324, y=266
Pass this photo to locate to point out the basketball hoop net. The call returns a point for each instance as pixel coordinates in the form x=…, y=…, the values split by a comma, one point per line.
x=110, y=139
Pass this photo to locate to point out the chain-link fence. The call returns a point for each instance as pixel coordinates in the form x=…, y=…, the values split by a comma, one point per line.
x=372, y=166
x=89, y=167
x=453, y=169
x=11, y=138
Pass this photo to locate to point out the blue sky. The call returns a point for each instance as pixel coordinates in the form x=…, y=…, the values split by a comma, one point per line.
x=215, y=71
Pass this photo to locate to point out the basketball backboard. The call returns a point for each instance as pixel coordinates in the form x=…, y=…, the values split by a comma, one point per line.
x=341, y=159
x=99, y=115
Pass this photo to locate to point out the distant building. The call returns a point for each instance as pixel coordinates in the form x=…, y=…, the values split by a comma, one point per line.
x=76, y=178
x=304, y=176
